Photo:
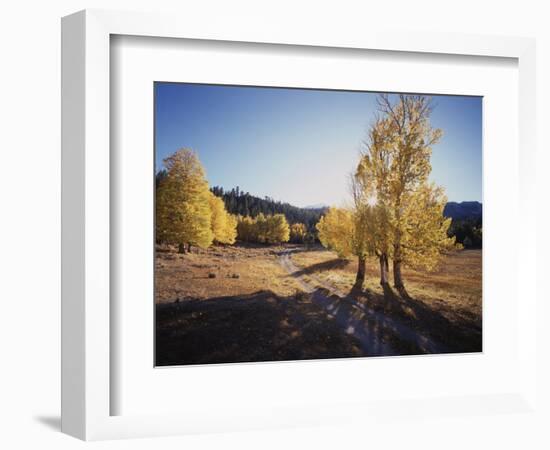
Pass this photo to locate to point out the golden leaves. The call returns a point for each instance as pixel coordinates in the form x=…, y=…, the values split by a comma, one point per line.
x=265, y=229
x=187, y=213
x=396, y=212
x=338, y=231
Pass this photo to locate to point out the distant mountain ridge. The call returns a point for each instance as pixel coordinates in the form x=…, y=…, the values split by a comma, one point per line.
x=317, y=206
x=463, y=210
x=243, y=203
x=454, y=210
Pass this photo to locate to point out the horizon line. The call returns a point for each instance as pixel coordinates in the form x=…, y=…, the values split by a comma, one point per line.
x=313, y=205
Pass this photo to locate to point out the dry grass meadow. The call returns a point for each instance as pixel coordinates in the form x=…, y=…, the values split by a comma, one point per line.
x=220, y=271
x=445, y=304
x=454, y=288
x=239, y=303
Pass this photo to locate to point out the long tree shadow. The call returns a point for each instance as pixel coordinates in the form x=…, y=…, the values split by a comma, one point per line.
x=333, y=264
x=449, y=332
x=377, y=334
x=392, y=322
x=258, y=327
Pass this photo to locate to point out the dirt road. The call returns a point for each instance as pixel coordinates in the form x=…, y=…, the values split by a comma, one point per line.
x=379, y=335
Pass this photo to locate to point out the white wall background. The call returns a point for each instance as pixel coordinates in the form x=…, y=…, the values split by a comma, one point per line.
x=30, y=220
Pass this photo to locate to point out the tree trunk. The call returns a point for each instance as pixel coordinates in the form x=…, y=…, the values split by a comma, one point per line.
x=189, y=247
x=361, y=271
x=384, y=269
x=181, y=248
x=397, y=276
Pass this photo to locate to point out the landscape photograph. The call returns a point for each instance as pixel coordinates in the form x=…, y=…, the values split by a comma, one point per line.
x=303, y=224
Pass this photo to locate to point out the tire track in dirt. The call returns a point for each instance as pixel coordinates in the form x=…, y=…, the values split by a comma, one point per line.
x=378, y=334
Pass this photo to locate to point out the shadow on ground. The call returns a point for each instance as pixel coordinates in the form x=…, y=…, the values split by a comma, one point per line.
x=266, y=327
x=391, y=322
x=257, y=327
x=333, y=264
x=451, y=332
x=410, y=325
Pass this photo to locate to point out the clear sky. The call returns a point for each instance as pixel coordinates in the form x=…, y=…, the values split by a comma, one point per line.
x=299, y=146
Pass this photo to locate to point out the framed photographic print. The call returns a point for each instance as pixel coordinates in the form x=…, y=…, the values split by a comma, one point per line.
x=275, y=220
x=248, y=277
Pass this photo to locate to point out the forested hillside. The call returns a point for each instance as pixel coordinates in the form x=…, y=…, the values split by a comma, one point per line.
x=245, y=204
x=467, y=224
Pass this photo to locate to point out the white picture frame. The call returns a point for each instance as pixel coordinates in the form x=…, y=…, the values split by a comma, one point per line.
x=86, y=220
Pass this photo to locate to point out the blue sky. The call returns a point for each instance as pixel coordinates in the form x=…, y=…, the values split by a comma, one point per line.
x=299, y=146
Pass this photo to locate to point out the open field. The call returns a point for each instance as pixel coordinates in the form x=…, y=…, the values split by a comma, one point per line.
x=237, y=304
x=454, y=288
x=446, y=304
x=253, y=327
x=262, y=303
x=220, y=271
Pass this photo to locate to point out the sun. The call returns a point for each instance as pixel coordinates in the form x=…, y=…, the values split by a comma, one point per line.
x=372, y=200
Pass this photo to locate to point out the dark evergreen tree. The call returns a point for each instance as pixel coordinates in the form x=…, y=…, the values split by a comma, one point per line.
x=468, y=232
x=242, y=203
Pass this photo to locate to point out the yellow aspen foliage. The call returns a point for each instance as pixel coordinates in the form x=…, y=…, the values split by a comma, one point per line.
x=223, y=224
x=343, y=231
x=340, y=230
x=402, y=213
x=336, y=229
x=278, y=230
x=425, y=237
x=246, y=229
x=298, y=232
x=260, y=229
x=372, y=194
x=183, y=214
x=394, y=170
x=270, y=229
x=371, y=190
x=409, y=137
x=230, y=235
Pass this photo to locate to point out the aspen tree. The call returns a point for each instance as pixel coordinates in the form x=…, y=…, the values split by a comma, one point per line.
x=298, y=232
x=278, y=230
x=425, y=237
x=403, y=212
x=342, y=230
x=183, y=214
x=222, y=223
x=371, y=194
x=264, y=229
x=410, y=137
x=245, y=228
